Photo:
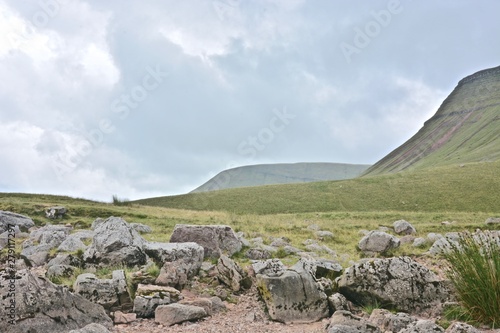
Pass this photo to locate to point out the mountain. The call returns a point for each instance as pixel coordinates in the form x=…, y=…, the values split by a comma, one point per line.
x=465, y=129
x=268, y=174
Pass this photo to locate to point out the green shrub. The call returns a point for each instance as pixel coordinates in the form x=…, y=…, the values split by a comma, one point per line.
x=120, y=202
x=474, y=270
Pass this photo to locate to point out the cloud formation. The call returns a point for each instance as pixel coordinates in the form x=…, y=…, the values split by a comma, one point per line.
x=146, y=99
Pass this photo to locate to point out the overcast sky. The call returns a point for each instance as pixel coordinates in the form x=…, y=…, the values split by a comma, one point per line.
x=150, y=98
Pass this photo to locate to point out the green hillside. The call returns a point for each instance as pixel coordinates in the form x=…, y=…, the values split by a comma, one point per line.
x=473, y=187
x=268, y=174
x=465, y=128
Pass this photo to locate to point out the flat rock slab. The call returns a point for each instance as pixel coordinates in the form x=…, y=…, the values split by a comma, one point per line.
x=172, y=314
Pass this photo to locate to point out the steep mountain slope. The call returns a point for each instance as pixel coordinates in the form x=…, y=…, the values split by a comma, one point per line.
x=267, y=174
x=465, y=128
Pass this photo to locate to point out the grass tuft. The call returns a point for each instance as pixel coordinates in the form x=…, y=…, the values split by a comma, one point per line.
x=474, y=269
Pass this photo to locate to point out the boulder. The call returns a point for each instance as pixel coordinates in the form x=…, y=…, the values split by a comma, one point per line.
x=403, y=227
x=112, y=293
x=493, y=220
x=172, y=314
x=44, y=239
x=7, y=219
x=215, y=239
x=115, y=243
x=445, y=244
x=378, y=242
x=42, y=306
x=141, y=228
x=258, y=254
x=392, y=322
x=344, y=321
x=322, y=234
x=91, y=328
x=149, y=297
x=59, y=271
x=338, y=302
x=292, y=295
x=124, y=318
x=231, y=274
x=56, y=212
x=179, y=262
x=423, y=326
x=74, y=241
x=457, y=327
x=399, y=283
x=419, y=242
x=204, y=303
x=65, y=259
x=271, y=267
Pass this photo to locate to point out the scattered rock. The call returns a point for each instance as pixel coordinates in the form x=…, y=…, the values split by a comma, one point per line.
x=432, y=237
x=492, y=220
x=56, y=212
x=392, y=322
x=400, y=283
x=257, y=254
x=271, y=267
x=422, y=326
x=66, y=259
x=91, y=328
x=292, y=295
x=215, y=239
x=445, y=243
x=12, y=219
x=322, y=234
x=177, y=313
x=112, y=293
x=378, y=241
x=149, y=297
x=231, y=274
x=44, y=239
x=141, y=228
x=59, y=271
x=313, y=227
x=74, y=241
x=42, y=306
x=344, y=321
x=280, y=242
x=419, y=242
x=461, y=328
x=123, y=318
x=338, y=302
x=204, y=303
x=115, y=243
x=403, y=227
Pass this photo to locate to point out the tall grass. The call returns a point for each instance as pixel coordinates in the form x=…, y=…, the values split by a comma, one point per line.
x=474, y=269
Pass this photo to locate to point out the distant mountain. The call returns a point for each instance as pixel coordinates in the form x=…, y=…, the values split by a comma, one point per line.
x=268, y=174
x=465, y=128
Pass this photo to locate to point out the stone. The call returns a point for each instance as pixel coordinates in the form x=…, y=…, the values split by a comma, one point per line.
x=458, y=327
x=215, y=239
x=179, y=262
x=403, y=227
x=492, y=220
x=271, y=267
x=115, y=243
x=423, y=326
x=74, y=242
x=313, y=227
x=323, y=235
x=141, y=228
x=56, y=212
x=42, y=306
x=217, y=305
x=399, y=283
x=123, y=318
x=292, y=295
x=419, y=242
x=66, y=259
x=320, y=248
x=280, y=242
x=60, y=271
x=231, y=274
x=257, y=254
x=44, y=239
x=378, y=242
x=444, y=244
x=92, y=328
x=338, y=302
x=392, y=322
x=24, y=223
x=204, y=303
x=172, y=314
x=432, y=237
x=149, y=297
x=345, y=321
x=112, y=294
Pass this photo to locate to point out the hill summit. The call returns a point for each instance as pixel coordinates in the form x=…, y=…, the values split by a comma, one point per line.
x=465, y=128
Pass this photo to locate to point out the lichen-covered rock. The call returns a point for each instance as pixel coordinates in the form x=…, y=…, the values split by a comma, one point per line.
x=13, y=219
x=115, y=243
x=56, y=212
x=141, y=228
x=112, y=294
x=378, y=242
x=91, y=328
x=215, y=239
x=231, y=274
x=423, y=326
x=172, y=314
x=74, y=242
x=42, y=306
x=400, y=283
x=392, y=322
x=149, y=297
x=344, y=321
x=403, y=227
x=338, y=302
x=44, y=239
x=292, y=295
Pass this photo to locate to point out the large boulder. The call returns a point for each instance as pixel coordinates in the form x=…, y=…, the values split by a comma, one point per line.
x=215, y=239
x=392, y=322
x=231, y=274
x=74, y=242
x=399, y=283
x=149, y=297
x=42, y=306
x=179, y=262
x=115, y=243
x=378, y=242
x=45, y=239
x=292, y=295
x=112, y=294
x=402, y=227
x=172, y=314
x=13, y=219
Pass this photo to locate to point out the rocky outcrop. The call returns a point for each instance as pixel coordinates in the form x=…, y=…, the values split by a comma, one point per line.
x=378, y=242
x=179, y=262
x=215, y=239
x=172, y=314
x=42, y=306
x=292, y=295
x=112, y=294
x=44, y=239
x=231, y=274
x=13, y=219
x=399, y=283
x=115, y=243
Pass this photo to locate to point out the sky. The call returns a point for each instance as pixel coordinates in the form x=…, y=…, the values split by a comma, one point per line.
x=150, y=98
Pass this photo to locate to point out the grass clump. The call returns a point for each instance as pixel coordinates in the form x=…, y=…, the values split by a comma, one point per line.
x=120, y=202
x=474, y=269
